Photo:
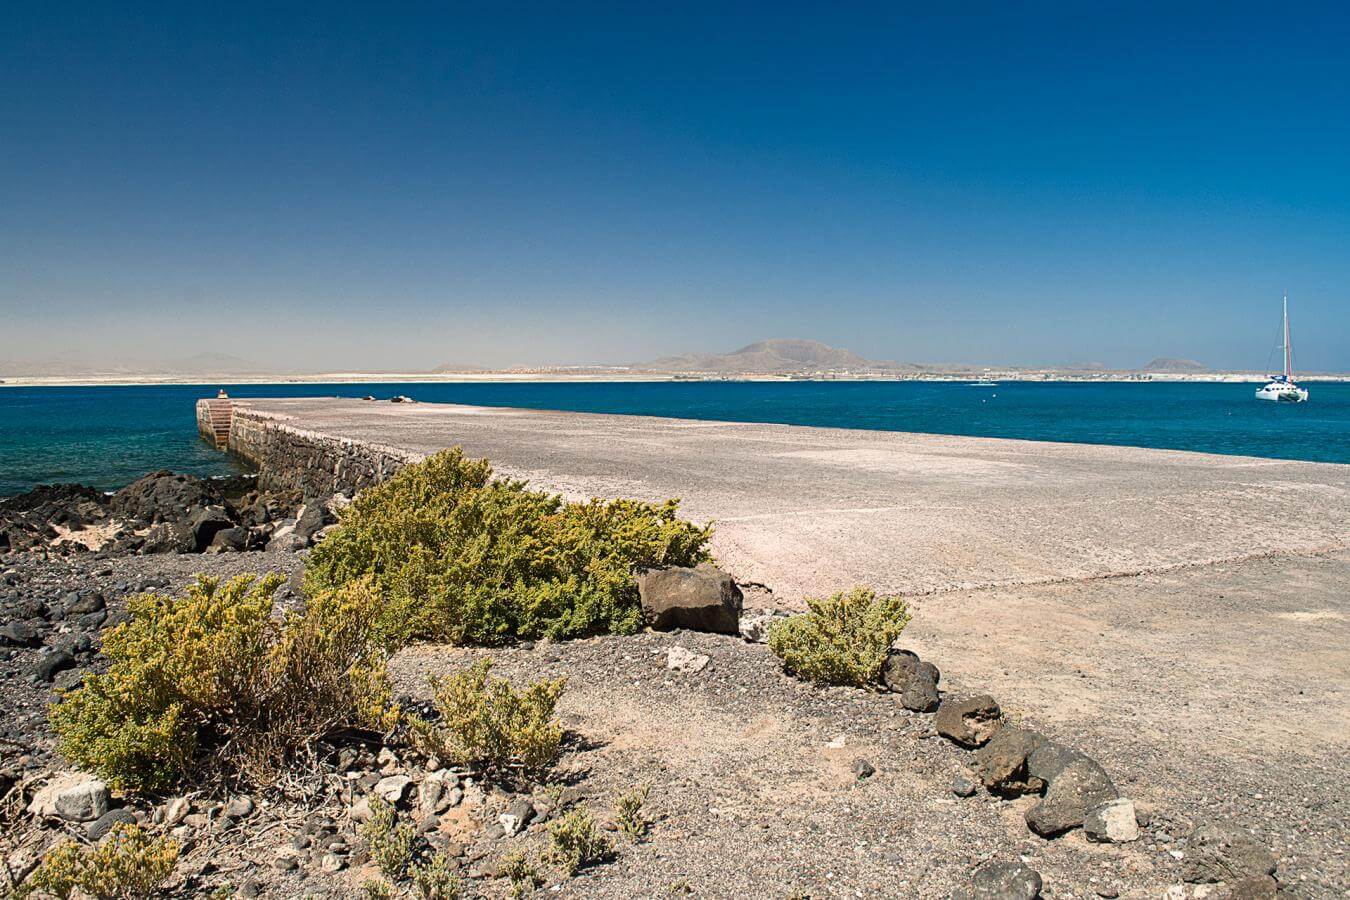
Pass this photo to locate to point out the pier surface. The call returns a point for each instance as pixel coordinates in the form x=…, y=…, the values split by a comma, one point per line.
x=1188, y=610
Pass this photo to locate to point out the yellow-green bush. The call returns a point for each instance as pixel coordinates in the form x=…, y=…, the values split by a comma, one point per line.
x=435, y=879
x=628, y=815
x=215, y=687
x=575, y=842
x=391, y=841
x=461, y=557
x=842, y=639
x=517, y=868
x=487, y=724
x=128, y=865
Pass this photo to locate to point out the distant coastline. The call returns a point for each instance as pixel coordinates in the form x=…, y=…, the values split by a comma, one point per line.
x=617, y=374
x=777, y=359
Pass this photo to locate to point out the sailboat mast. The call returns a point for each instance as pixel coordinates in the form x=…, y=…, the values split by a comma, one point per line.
x=1288, y=351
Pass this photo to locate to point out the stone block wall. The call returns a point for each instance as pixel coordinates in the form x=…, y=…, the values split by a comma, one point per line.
x=291, y=458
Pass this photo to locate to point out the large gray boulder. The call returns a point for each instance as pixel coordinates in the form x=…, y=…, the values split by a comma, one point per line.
x=169, y=537
x=74, y=797
x=160, y=497
x=1002, y=763
x=700, y=599
x=969, y=721
x=19, y=633
x=1222, y=851
x=206, y=523
x=1074, y=784
x=229, y=540
x=913, y=679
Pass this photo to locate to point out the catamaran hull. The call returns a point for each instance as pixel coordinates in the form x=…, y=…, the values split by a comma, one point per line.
x=1283, y=395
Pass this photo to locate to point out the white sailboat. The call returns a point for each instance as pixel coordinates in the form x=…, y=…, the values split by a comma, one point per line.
x=1282, y=388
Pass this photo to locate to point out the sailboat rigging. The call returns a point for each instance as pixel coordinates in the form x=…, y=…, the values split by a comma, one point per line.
x=1282, y=388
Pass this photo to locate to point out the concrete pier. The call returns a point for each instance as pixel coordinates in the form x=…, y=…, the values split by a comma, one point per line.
x=810, y=510
x=1184, y=608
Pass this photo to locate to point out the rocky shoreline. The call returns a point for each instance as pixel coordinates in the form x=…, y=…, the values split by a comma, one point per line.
x=844, y=789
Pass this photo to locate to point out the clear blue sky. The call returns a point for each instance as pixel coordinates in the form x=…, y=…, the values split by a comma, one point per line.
x=398, y=186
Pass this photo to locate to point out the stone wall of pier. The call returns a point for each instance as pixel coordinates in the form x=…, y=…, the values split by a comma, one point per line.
x=290, y=458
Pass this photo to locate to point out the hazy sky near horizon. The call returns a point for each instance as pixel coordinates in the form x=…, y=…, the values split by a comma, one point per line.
x=396, y=186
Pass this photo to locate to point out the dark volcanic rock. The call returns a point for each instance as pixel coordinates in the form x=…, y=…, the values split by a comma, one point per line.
x=108, y=821
x=914, y=680
x=1002, y=763
x=229, y=540
x=969, y=721
x=1221, y=851
x=169, y=537
x=701, y=599
x=81, y=604
x=205, y=523
x=161, y=497
x=19, y=634
x=26, y=520
x=51, y=663
x=1075, y=784
x=313, y=517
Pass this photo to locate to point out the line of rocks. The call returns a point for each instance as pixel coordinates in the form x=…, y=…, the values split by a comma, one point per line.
x=1007, y=760
x=1075, y=790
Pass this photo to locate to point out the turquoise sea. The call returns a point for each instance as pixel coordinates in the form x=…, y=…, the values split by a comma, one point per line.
x=107, y=436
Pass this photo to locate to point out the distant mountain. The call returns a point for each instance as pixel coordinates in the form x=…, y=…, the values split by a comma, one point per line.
x=1174, y=366
x=453, y=368
x=765, y=357
x=209, y=363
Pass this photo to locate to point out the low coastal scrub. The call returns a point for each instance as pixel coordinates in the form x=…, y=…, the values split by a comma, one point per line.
x=517, y=868
x=842, y=639
x=391, y=841
x=214, y=686
x=461, y=557
x=629, y=816
x=575, y=842
x=130, y=864
x=435, y=879
x=489, y=725
x=394, y=850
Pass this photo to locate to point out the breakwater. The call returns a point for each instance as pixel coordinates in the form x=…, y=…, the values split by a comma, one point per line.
x=290, y=457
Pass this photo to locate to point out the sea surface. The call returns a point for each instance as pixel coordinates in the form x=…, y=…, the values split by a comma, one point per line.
x=108, y=436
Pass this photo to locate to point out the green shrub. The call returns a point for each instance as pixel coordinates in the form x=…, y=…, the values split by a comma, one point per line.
x=375, y=889
x=461, y=557
x=435, y=879
x=391, y=841
x=628, y=814
x=840, y=640
x=575, y=842
x=213, y=686
x=517, y=867
x=488, y=724
x=128, y=865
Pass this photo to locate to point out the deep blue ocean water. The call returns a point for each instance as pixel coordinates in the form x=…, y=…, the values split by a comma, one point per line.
x=108, y=436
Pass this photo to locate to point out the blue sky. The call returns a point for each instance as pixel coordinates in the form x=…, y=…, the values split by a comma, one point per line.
x=376, y=187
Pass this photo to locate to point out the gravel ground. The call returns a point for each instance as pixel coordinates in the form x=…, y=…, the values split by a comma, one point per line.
x=753, y=786
x=752, y=780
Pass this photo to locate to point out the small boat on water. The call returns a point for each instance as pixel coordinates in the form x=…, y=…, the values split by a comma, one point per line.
x=983, y=383
x=1282, y=388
